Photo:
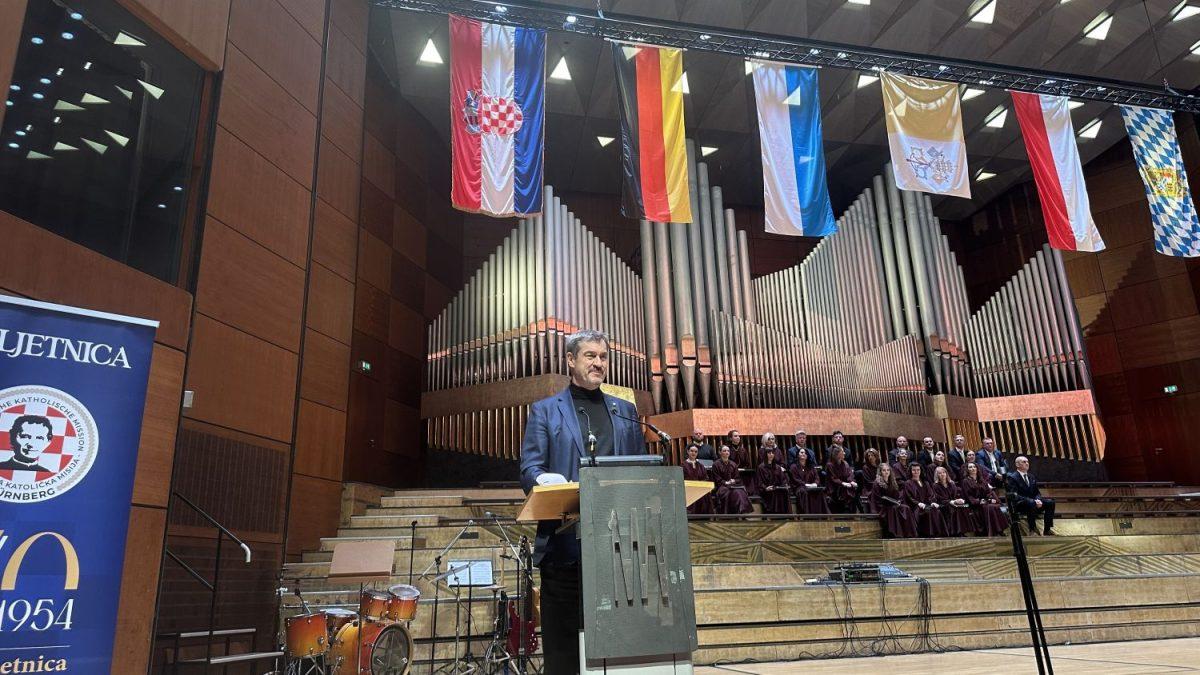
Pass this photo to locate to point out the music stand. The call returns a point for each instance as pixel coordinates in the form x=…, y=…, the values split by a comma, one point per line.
x=365, y=562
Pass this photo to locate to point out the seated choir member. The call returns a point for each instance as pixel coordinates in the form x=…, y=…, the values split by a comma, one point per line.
x=957, y=456
x=989, y=517
x=924, y=454
x=706, y=450
x=843, y=491
x=894, y=453
x=801, y=444
x=731, y=494
x=918, y=495
x=887, y=500
x=939, y=460
x=839, y=441
x=972, y=458
x=900, y=467
x=694, y=470
x=1029, y=499
x=741, y=457
x=806, y=480
x=773, y=483
x=865, y=476
x=954, y=507
x=992, y=459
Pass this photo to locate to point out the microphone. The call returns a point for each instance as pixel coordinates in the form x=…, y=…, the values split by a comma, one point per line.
x=591, y=437
x=662, y=435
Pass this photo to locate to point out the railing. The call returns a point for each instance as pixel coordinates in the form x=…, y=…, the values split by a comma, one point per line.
x=213, y=585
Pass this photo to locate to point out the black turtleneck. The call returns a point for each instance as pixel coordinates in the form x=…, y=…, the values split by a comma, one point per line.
x=596, y=418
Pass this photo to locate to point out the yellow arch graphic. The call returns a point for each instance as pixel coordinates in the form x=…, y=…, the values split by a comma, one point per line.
x=9, y=581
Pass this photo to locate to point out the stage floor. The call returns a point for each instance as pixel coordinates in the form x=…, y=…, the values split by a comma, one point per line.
x=1113, y=658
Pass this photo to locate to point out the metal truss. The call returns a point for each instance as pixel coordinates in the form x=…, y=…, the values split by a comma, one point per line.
x=802, y=51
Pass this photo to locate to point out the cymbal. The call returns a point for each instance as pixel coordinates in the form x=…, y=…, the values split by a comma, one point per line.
x=451, y=572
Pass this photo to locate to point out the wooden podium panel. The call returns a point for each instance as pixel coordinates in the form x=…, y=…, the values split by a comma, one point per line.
x=550, y=502
x=369, y=560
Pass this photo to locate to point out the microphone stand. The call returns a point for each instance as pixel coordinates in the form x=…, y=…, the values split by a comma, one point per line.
x=515, y=555
x=1037, y=633
x=663, y=437
x=591, y=437
x=437, y=566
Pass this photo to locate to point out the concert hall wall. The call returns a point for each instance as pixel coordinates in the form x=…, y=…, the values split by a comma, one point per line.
x=1140, y=310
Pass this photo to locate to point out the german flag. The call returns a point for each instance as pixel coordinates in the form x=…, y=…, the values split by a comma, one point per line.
x=653, y=147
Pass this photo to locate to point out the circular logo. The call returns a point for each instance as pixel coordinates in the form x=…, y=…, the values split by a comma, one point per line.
x=48, y=443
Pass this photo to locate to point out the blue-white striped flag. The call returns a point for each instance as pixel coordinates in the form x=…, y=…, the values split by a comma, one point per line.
x=795, y=193
x=1156, y=148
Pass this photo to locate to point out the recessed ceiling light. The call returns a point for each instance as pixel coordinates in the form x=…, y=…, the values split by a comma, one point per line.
x=92, y=98
x=986, y=14
x=100, y=148
x=8, y=104
x=997, y=117
x=1091, y=129
x=971, y=92
x=706, y=150
x=20, y=132
x=15, y=87
x=162, y=206
x=128, y=40
x=178, y=188
x=1185, y=11
x=14, y=145
x=865, y=80
x=76, y=15
x=57, y=119
x=44, y=80
x=1071, y=105
x=33, y=154
x=39, y=95
x=63, y=105
x=430, y=53
x=1098, y=28
x=121, y=140
x=67, y=35
x=605, y=140
x=858, y=2
x=58, y=73
x=561, y=72
x=87, y=66
x=124, y=92
x=984, y=175
x=154, y=91
x=36, y=40
x=63, y=146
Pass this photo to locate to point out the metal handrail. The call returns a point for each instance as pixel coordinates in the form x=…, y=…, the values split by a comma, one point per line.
x=212, y=586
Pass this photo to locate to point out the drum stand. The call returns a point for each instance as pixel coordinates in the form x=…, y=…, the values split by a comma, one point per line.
x=313, y=665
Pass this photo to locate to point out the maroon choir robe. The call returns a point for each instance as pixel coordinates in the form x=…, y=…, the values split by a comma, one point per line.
x=741, y=457
x=901, y=472
x=807, y=501
x=897, y=519
x=866, y=477
x=959, y=519
x=730, y=498
x=991, y=521
x=984, y=474
x=841, y=498
x=930, y=521
x=696, y=471
x=931, y=468
x=773, y=487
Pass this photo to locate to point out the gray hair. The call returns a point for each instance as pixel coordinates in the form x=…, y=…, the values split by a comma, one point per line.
x=585, y=335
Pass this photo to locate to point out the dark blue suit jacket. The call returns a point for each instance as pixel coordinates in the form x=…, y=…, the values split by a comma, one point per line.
x=554, y=443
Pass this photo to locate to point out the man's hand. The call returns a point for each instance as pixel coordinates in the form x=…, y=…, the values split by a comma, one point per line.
x=550, y=479
x=1038, y=502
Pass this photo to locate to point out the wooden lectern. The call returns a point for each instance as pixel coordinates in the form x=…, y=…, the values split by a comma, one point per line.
x=552, y=502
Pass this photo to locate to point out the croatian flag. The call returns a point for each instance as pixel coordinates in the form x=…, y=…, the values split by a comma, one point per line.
x=795, y=191
x=1050, y=143
x=497, y=117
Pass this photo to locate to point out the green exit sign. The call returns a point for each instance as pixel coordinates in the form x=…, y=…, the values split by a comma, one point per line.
x=363, y=366
x=1170, y=389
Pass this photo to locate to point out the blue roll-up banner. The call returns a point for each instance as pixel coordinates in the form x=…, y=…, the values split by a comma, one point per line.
x=72, y=390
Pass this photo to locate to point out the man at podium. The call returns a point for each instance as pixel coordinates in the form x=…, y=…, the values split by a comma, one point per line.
x=561, y=429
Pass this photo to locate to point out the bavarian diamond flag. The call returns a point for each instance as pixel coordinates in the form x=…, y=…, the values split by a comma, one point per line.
x=1176, y=227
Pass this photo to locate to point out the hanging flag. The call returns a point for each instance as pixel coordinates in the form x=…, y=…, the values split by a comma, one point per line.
x=1156, y=148
x=653, y=148
x=1050, y=143
x=497, y=117
x=924, y=126
x=795, y=192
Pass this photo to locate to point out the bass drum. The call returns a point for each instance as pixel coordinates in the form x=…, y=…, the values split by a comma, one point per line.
x=392, y=652
x=377, y=649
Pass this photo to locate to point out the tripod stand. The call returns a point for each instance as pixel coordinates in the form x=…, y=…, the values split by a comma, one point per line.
x=1037, y=633
x=435, y=567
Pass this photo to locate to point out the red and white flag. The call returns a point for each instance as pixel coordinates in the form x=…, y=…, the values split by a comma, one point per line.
x=1050, y=142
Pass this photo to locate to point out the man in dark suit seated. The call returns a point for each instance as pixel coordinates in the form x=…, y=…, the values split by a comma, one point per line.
x=1028, y=499
x=957, y=456
x=990, y=457
x=555, y=440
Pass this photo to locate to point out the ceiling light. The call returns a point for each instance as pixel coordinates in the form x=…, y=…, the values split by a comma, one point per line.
x=121, y=140
x=125, y=92
x=705, y=36
x=501, y=9
x=762, y=55
x=430, y=53
x=68, y=35
x=32, y=154
x=162, y=206
x=76, y=15
x=44, y=80
x=986, y=14
x=984, y=175
x=605, y=140
x=100, y=148
x=154, y=91
x=63, y=146
x=14, y=145
x=1071, y=105
x=1098, y=28
x=971, y=92
x=63, y=105
x=560, y=71
x=706, y=150
x=15, y=87
x=178, y=188
x=128, y=40
x=858, y=2
x=1185, y=11
x=1091, y=129
x=866, y=80
x=20, y=132
x=814, y=51
x=1196, y=48
x=36, y=40
x=571, y=18
x=90, y=98
x=8, y=104
x=87, y=66
x=58, y=73
x=996, y=119
x=842, y=55
x=942, y=69
x=39, y=95
x=57, y=119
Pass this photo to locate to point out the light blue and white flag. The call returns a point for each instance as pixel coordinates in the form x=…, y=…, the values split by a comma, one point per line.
x=1156, y=148
x=795, y=193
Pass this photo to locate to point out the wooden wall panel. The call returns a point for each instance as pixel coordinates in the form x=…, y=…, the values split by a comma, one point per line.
x=247, y=286
x=330, y=304
x=156, y=447
x=346, y=65
x=337, y=179
x=263, y=115
x=335, y=240
x=342, y=121
x=310, y=14
x=253, y=196
x=350, y=16
x=139, y=588
x=406, y=330
x=275, y=41
x=196, y=27
x=326, y=367
x=12, y=18
x=320, y=441
x=314, y=512
x=379, y=165
x=374, y=261
x=409, y=236
x=240, y=381
x=371, y=311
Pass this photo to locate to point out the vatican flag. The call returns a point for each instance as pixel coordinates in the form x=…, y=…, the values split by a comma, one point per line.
x=924, y=126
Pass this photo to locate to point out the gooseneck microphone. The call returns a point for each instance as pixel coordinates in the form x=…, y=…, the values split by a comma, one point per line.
x=591, y=437
x=662, y=435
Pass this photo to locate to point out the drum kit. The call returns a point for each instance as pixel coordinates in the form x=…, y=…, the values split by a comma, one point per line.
x=375, y=640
